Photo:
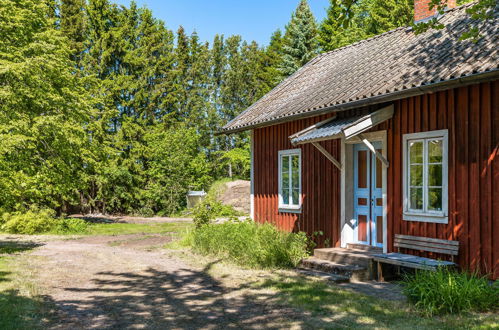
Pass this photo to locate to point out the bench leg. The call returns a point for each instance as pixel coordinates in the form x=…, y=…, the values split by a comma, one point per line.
x=380, y=272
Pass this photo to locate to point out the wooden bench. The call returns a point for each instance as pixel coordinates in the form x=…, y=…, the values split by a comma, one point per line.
x=417, y=243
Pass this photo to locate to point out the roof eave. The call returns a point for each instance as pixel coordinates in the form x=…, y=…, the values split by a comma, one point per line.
x=419, y=90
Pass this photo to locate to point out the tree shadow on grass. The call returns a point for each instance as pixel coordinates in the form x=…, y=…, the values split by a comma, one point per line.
x=187, y=299
x=11, y=247
x=21, y=312
x=180, y=299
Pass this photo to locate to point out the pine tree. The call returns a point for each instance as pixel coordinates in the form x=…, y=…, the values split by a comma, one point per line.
x=270, y=63
x=365, y=18
x=300, y=43
x=73, y=25
x=336, y=32
x=386, y=15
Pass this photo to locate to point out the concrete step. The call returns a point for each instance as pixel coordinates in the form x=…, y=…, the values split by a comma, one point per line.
x=345, y=256
x=352, y=271
x=363, y=247
x=336, y=278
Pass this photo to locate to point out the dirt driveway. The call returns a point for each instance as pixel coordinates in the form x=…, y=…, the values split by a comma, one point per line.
x=124, y=282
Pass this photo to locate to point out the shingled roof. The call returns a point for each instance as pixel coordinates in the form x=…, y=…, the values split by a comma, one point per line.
x=383, y=68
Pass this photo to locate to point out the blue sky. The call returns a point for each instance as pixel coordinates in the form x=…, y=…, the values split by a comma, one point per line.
x=252, y=19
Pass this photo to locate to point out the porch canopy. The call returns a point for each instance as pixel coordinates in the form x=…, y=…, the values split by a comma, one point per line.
x=346, y=128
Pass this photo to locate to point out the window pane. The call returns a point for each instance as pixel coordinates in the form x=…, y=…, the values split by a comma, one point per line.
x=435, y=175
x=435, y=199
x=416, y=199
x=416, y=175
x=285, y=196
x=285, y=164
x=285, y=180
x=295, y=171
x=296, y=196
x=435, y=151
x=416, y=152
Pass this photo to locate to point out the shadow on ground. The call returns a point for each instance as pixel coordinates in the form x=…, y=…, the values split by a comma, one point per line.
x=182, y=299
x=10, y=247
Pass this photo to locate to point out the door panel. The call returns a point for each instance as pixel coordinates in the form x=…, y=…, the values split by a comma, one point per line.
x=368, y=196
x=362, y=198
x=376, y=199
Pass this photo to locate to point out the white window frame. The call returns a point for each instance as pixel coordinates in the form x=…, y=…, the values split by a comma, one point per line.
x=428, y=215
x=290, y=207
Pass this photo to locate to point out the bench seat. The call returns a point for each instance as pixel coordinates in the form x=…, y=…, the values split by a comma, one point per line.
x=407, y=260
x=418, y=243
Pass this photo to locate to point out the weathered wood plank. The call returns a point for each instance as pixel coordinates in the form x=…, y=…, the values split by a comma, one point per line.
x=423, y=246
x=428, y=249
x=429, y=244
x=427, y=239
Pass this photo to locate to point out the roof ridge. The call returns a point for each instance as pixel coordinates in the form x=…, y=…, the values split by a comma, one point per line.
x=405, y=27
x=365, y=40
x=398, y=63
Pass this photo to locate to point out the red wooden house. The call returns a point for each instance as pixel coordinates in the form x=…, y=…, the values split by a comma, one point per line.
x=396, y=134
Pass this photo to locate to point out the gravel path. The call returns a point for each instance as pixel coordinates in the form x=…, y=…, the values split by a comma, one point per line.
x=122, y=282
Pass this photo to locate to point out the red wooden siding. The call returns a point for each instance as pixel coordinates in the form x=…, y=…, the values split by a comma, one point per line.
x=320, y=182
x=471, y=114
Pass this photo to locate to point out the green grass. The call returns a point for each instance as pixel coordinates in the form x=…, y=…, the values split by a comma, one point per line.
x=334, y=307
x=134, y=228
x=249, y=244
x=20, y=305
x=450, y=292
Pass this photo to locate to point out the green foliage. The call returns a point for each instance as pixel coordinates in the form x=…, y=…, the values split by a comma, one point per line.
x=209, y=209
x=481, y=11
x=450, y=292
x=249, y=244
x=43, y=109
x=300, y=42
x=351, y=21
x=39, y=221
x=68, y=226
x=34, y=221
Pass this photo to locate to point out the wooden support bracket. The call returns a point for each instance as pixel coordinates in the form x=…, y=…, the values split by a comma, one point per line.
x=373, y=150
x=327, y=154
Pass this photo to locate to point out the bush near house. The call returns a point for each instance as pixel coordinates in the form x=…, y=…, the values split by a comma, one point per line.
x=449, y=292
x=250, y=244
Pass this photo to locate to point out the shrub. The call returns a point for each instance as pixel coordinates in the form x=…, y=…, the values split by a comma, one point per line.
x=249, y=244
x=70, y=226
x=33, y=221
x=448, y=291
x=37, y=221
x=209, y=209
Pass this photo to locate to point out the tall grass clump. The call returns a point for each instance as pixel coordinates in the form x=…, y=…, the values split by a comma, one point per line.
x=448, y=291
x=250, y=244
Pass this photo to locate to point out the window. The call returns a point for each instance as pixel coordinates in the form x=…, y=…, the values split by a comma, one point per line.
x=425, y=176
x=290, y=180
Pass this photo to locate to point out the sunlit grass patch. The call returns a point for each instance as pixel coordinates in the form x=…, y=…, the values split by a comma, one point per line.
x=136, y=228
x=344, y=308
x=21, y=305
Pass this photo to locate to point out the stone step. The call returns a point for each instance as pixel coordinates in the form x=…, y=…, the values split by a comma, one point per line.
x=351, y=271
x=336, y=278
x=363, y=247
x=345, y=256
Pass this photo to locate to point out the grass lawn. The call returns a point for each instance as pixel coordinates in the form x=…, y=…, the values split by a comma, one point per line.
x=21, y=305
x=329, y=306
x=343, y=308
x=136, y=228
